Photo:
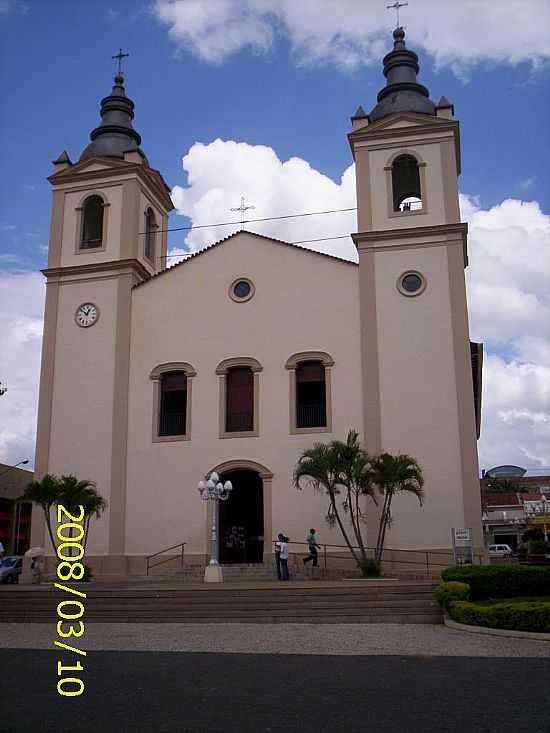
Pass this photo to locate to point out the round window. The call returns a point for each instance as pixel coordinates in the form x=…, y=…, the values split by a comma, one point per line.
x=411, y=283
x=241, y=290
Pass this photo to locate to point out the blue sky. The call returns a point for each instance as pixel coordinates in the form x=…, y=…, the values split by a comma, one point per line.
x=56, y=66
x=282, y=78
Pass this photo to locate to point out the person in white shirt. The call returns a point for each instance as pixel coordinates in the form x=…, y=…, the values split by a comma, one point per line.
x=280, y=538
x=284, y=557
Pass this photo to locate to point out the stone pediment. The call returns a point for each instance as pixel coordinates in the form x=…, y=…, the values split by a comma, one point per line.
x=253, y=237
x=402, y=120
x=91, y=165
x=98, y=168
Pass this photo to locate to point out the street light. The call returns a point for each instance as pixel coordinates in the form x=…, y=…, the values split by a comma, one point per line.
x=10, y=468
x=214, y=491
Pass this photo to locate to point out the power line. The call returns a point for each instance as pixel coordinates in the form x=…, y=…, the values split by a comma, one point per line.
x=252, y=221
x=301, y=241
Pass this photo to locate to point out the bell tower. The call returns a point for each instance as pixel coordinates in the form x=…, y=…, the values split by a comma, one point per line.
x=108, y=233
x=417, y=359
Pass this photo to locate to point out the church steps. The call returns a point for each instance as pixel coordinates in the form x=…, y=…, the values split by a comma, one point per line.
x=272, y=603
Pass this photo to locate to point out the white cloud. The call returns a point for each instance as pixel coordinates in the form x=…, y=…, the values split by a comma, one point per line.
x=350, y=33
x=274, y=187
x=527, y=183
x=21, y=312
x=509, y=301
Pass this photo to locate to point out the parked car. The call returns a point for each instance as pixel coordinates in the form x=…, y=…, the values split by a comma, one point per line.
x=10, y=568
x=500, y=551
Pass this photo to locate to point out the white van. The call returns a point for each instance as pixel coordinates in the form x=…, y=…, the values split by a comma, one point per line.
x=500, y=551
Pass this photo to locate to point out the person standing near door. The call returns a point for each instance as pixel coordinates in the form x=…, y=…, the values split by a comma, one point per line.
x=312, y=547
x=284, y=557
x=280, y=539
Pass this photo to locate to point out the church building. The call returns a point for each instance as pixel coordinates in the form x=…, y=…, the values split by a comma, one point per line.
x=248, y=352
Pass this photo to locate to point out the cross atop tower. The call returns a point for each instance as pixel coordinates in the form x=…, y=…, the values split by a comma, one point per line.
x=396, y=6
x=243, y=208
x=120, y=56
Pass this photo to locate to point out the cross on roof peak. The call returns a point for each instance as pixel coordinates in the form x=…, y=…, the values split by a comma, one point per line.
x=120, y=56
x=243, y=208
x=397, y=6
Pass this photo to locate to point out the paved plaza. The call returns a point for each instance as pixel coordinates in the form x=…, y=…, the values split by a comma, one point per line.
x=328, y=639
x=283, y=678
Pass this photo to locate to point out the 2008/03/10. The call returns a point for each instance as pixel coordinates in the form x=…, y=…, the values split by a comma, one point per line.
x=70, y=611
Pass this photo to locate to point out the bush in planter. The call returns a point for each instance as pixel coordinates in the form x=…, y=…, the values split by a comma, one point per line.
x=512, y=615
x=451, y=591
x=370, y=569
x=501, y=581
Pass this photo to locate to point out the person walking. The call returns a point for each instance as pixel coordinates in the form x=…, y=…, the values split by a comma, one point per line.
x=312, y=547
x=284, y=557
x=280, y=539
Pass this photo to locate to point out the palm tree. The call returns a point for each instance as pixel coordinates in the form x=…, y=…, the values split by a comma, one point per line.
x=393, y=475
x=341, y=469
x=46, y=493
x=71, y=493
x=76, y=493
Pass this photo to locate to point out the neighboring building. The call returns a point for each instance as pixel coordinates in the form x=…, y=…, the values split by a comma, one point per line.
x=245, y=354
x=15, y=516
x=508, y=514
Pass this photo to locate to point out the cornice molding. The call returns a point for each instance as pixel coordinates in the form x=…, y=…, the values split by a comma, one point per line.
x=384, y=235
x=132, y=266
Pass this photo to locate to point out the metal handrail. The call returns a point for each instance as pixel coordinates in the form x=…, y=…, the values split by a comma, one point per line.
x=161, y=552
x=426, y=554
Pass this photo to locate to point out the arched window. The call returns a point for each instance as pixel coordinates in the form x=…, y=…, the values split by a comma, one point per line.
x=173, y=404
x=150, y=234
x=92, y=223
x=239, y=400
x=311, y=395
x=407, y=193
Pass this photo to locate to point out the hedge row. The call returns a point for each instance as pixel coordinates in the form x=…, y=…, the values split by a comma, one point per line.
x=501, y=581
x=515, y=615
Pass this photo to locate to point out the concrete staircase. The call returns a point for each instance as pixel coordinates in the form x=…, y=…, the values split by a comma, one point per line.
x=254, y=572
x=251, y=602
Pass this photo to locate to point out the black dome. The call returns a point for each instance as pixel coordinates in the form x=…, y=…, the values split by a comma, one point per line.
x=402, y=92
x=115, y=135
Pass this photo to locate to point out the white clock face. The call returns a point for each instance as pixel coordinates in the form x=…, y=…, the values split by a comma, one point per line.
x=87, y=314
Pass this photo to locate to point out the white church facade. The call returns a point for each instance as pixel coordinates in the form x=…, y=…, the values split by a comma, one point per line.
x=248, y=352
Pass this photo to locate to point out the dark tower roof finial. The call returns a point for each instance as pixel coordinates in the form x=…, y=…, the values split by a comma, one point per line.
x=402, y=92
x=115, y=135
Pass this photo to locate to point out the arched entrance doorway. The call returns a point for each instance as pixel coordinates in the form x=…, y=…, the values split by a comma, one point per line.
x=241, y=518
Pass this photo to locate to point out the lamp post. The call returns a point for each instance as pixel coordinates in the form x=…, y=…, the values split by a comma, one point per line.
x=10, y=468
x=214, y=491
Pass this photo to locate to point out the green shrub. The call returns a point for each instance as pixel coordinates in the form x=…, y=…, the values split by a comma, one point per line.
x=501, y=581
x=539, y=547
x=513, y=615
x=451, y=591
x=370, y=569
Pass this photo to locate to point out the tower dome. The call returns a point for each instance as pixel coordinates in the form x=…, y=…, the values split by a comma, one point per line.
x=115, y=135
x=402, y=92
